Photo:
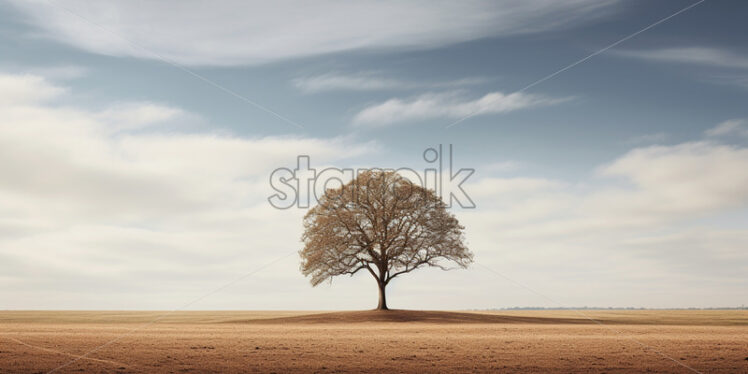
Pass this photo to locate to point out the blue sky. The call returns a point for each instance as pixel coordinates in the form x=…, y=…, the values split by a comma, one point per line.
x=132, y=182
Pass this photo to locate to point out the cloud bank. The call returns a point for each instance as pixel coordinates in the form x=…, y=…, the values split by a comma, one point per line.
x=98, y=213
x=648, y=230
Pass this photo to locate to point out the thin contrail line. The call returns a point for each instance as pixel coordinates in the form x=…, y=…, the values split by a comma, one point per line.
x=549, y=76
x=164, y=315
x=180, y=67
x=620, y=333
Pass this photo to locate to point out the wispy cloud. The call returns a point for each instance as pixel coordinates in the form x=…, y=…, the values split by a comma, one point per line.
x=730, y=127
x=735, y=80
x=60, y=72
x=728, y=67
x=371, y=81
x=447, y=105
x=254, y=32
x=347, y=82
x=692, y=55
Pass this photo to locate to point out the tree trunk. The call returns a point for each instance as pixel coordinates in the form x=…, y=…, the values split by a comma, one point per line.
x=382, y=298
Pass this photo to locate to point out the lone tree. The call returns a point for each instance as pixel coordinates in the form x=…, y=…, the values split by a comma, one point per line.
x=381, y=223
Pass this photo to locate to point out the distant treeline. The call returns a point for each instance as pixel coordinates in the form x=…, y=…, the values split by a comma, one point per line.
x=743, y=307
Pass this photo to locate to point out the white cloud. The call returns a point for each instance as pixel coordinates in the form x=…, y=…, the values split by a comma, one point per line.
x=252, y=32
x=643, y=189
x=20, y=89
x=100, y=219
x=92, y=216
x=449, y=105
x=693, y=55
x=729, y=67
x=737, y=80
x=737, y=127
x=132, y=116
x=663, y=215
x=689, y=178
x=369, y=81
x=346, y=82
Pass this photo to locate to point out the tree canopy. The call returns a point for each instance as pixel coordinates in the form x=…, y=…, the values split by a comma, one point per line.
x=383, y=224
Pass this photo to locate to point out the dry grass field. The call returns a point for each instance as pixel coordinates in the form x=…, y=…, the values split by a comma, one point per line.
x=375, y=342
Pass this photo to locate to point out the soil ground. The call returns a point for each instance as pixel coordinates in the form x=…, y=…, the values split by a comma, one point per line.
x=375, y=342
